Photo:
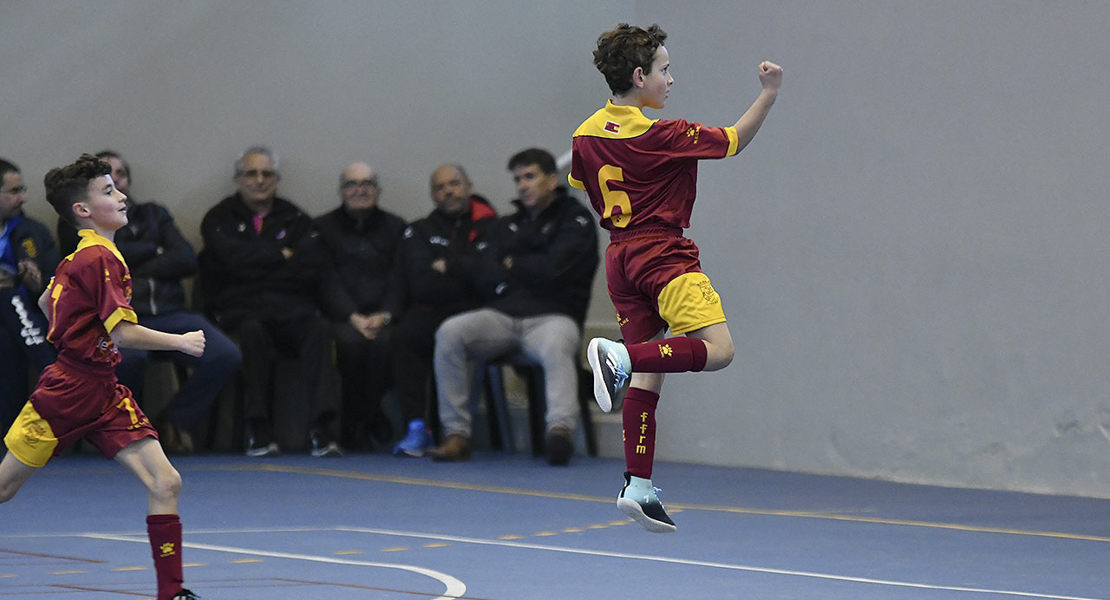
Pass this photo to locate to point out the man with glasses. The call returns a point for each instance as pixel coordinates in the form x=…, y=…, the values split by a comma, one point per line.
x=262, y=273
x=360, y=240
x=28, y=257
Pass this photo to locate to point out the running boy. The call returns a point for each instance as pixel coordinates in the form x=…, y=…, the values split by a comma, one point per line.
x=641, y=177
x=88, y=306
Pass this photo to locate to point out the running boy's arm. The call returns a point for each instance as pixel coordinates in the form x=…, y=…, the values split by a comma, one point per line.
x=770, y=75
x=133, y=335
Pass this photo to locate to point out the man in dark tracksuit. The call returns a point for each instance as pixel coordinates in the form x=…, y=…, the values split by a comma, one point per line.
x=28, y=258
x=534, y=276
x=360, y=240
x=262, y=271
x=159, y=257
x=435, y=277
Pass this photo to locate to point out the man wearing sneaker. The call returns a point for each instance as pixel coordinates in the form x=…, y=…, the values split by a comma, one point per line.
x=360, y=240
x=641, y=176
x=535, y=277
x=435, y=279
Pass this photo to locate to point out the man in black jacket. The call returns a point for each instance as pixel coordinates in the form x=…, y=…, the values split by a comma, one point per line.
x=28, y=257
x=360, y=240
x=262, y=271
x=535, y=277
x=435, y=276
x=159, y=257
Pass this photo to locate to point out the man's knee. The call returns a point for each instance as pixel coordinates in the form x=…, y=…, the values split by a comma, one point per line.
x=719, y=355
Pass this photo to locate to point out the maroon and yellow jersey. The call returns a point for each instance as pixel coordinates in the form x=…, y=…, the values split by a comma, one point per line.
x=641, y=173
x=89, y=296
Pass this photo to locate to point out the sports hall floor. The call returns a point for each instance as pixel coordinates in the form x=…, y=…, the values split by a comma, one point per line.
x=509, y=527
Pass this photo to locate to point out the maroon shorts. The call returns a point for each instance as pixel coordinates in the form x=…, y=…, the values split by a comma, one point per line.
x=639, y=269
x=71, y=403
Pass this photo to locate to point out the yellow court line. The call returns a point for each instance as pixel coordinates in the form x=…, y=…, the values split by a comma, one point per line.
x=674, y=506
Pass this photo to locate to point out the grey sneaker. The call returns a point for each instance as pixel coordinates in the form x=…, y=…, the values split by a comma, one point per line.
x=640, y=500
x=612, y=372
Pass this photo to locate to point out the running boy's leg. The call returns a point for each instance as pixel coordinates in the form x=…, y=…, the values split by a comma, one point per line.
x=13, y=474
x=148, y=462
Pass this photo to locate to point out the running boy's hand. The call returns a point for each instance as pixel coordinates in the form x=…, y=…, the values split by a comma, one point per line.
x=192, y=343
x=770, y=75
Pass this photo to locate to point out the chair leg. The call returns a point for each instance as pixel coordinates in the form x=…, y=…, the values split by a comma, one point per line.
x=586, y=401
x=537, y=409
x=501, y=424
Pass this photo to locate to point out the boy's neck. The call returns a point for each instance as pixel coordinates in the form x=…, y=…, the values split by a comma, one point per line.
x=109, y=234
x=631, y=99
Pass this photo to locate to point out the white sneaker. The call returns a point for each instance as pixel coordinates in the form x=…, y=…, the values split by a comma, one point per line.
x=612, y=370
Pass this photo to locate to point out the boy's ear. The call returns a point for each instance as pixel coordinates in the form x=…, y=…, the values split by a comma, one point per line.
x=638, y=77
x=81, y=209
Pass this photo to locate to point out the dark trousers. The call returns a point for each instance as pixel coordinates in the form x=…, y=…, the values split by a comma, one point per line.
x=414, y=341
x=365, y=376
x=210, y=372
x=307, y=339
x=24, y=352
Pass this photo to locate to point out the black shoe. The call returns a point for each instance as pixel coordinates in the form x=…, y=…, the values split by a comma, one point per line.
x=185, y=594
x=261, y=443
x=323, y=445
x=558, y=446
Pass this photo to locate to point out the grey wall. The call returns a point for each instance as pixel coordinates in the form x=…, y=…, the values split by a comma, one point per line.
x=910, y=253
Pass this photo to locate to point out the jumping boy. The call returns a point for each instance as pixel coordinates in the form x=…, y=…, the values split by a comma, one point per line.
x=641, y=177
x=88, y=307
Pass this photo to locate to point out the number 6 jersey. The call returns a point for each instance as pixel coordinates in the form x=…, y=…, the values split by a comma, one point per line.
x=641, y=174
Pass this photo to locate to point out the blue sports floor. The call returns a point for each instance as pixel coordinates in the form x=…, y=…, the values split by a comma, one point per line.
x=509, y=527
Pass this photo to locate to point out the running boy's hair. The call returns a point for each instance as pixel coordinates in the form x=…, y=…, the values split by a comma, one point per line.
x=68, y=185
x=619, y=51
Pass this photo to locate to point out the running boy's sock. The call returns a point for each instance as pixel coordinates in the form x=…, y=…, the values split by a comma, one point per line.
x=671, y=355
x=164, y=532
x=638, y=418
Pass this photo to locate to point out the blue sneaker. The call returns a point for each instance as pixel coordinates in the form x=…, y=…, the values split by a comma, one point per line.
x=640, y=500
x=417, y=441
x=612, y=371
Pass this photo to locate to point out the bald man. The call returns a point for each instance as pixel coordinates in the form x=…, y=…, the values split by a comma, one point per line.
x=360, y=240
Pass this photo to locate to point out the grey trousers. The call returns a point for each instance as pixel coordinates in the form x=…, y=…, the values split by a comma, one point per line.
x=552, y=340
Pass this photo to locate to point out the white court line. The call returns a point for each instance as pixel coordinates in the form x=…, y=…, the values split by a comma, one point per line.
x=715, y=565
x=455, y=588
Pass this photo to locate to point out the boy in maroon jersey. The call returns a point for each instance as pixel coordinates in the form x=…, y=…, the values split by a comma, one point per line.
x=88, y=306
x=641, y=176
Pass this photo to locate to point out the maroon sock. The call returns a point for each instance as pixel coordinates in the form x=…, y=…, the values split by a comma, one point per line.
x=638, y=418
x=672, y=355
x=164, y=532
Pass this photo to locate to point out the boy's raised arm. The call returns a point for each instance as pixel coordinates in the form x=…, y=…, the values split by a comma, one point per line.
x=770, y=75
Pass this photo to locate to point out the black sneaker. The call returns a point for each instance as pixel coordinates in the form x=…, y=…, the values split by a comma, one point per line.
x=640, y=500
x=261, y=443
x=185, y=594
x=558, y=446
x=323, y=445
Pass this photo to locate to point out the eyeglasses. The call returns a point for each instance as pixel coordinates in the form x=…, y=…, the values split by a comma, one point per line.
x=365, y=183
x=255, y=173
x=15, y=191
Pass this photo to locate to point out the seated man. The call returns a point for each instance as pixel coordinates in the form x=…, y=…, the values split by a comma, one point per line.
x=159, y=258
x=360, y=240
x=261, y=275
x=28, y=258
x=435, y=279
x=535, y=276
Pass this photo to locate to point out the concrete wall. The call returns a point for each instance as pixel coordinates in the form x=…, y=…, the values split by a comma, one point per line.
x=911, y=253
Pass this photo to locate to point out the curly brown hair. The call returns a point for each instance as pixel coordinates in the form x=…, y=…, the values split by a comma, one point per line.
x=620, y=50
x=68, y=185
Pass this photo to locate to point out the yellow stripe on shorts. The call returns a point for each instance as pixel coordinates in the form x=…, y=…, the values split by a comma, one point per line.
x=689, y=302
x=31, y=438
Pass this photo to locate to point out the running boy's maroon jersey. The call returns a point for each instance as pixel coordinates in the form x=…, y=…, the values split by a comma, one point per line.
x=89, y=295
x=642, y=173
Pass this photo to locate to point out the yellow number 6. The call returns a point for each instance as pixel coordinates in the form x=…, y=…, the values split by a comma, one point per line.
x=614, y=198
